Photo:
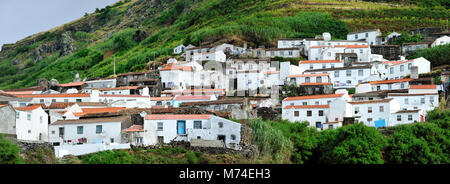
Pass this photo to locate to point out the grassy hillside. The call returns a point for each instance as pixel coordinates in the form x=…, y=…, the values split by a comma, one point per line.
x=137, y=32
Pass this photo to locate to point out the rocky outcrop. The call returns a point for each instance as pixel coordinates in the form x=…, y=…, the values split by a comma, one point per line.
x=66, y=43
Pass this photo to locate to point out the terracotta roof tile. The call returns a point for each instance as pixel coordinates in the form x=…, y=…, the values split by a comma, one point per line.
x=272, y=72
x=28, y=108
x=176, y=116
x=422, y=87
x=205, y=97
x=319, y=61
x=72, y=84
x=309, y=75
x=86, y=111
x=307, y=106
x=161, y=98
x=90, y=120
x=181, y=68
x=391, y=81
x=135, y=128
x=313, y=97
x=371, y=101
x=63, y=95
x=124, y=96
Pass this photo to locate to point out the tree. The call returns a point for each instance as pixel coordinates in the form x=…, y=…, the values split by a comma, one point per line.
x=352, y=144
x=9, y=152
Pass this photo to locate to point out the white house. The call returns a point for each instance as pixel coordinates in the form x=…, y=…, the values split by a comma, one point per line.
x=176, y=77
x=405, y=117
x=347, y=77
x=299, y=79
x=414, y=101
x=420, y=89
x=210, y=56
x=283, y=52
x=394, y=84
x=63, y=97
x=367, y=35
x=161, y=101
x=400, y=69
x=375, y=112
x=31, y=123
x=164, y=128
x=313, y=99
x=326, y=52
x=320, y=64
x=88, y=131
x=179, y=49
x=441, y=41
x=101, y=83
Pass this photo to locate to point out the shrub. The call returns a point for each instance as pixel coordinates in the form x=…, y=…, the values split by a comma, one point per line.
x=108, y=157
x=9, y=152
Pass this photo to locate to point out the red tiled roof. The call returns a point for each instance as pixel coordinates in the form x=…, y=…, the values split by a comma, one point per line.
x=309, y=75
x=315, y=84
x=63, y=95
x=161, y=98
x=72, y=84
x=319, y=61
x=314, y=97
x=397, y=62
x=272, y=72
x=28, y=108
x=118, y=88
x=97, y=110
x=307, y=106
x=3, y=105
x=372, y=101
x=356, y=46
x=19, y=92
x=176, y=116
x=390, y=81
x=135, y=128
x=205, y=97
x=182, y=68
x=319, y=46
x=422, y=87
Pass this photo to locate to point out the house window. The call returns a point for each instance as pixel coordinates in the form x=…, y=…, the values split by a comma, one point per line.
x=391, y=70
x=111, y=140
x=369, y=110
x=233, y=137
x=356, y=36
x=336, y=73
x=324, y=65
x=53, y=100
x=402, y=68
x=17, y=115
x=361, y=72
x=40, y=119
x=410, y=118
x=316, y=103
x=367, y=35
x=98, y=129
x=308, y=113
x=349, y=82
x=399, y=117
x=290, y=53
x=356, y=110
x=79, y=129
x=422, y=100
x=406, y=101
x=311, y=67
x=78, y=100
x=41, y=101
x=160, y=126
x=402, y=85
x=29, y=131
x=53, y=132
x=319, y=79
x=139, y=139
x=409, y=66
x=296, y=114
x=307, y=80
x=332, y=65
x=389, y=86
x=28, y=116
x=381, y=108
x=160, y=139
x=369, y=120
x=349, y=73
x=305, y=103
x=320, y=113
x=197, y=124
x=66, y=100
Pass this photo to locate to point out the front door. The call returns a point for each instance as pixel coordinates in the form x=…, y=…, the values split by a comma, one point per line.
x=181, y=126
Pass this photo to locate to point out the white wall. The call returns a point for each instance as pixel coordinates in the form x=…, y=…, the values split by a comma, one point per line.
x=109, y=130
x=37, y=125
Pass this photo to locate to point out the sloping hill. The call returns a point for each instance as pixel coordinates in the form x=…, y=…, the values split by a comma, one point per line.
x=139, y=31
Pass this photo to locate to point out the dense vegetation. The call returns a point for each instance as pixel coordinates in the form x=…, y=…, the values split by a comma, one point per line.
x=139, y=32
x=9, y=152
x=439, y=55
x=418, y=143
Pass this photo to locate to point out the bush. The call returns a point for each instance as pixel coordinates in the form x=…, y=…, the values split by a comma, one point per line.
x=9, y=152
x=352, y=144
x=108, y=157
x=439, y=55
x=420, y=143
x=191, y=157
